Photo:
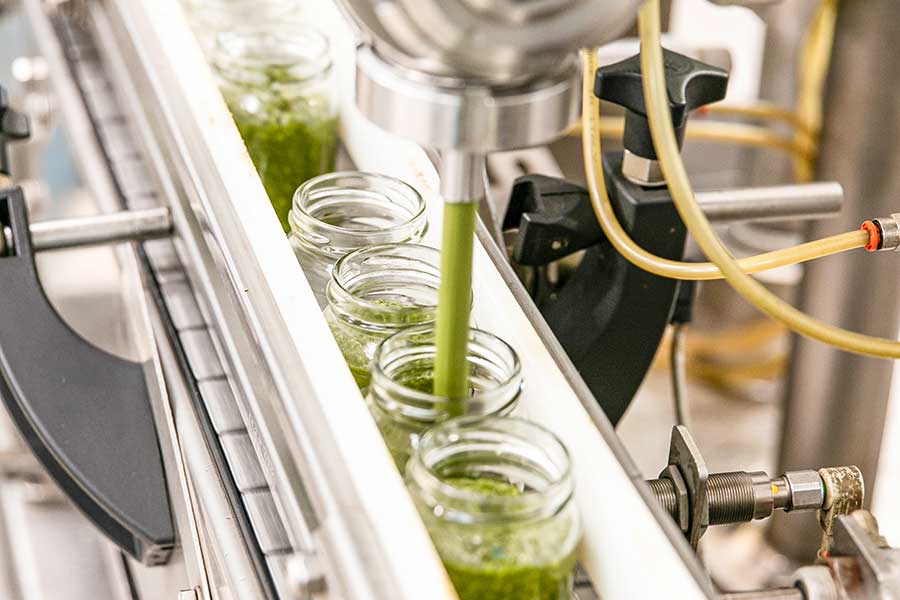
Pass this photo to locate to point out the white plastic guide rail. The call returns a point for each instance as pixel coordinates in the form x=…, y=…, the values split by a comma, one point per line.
x=625, y=549
x=369, y=527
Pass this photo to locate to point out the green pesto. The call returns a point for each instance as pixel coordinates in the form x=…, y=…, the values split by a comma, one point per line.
x=485, y=486
x=290, y=139
x=400, y=433
x=503, y=579
x=504, y=561
x=358, y=343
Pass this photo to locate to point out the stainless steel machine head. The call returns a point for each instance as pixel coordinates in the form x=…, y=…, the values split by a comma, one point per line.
x=496, y=41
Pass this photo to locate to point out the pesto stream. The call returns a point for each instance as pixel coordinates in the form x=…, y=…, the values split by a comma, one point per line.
x=450, y=372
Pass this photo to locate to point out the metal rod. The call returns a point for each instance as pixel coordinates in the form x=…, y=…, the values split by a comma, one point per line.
x=778, y=203
x=679, y=375
x=773, y=594
x=131, y=225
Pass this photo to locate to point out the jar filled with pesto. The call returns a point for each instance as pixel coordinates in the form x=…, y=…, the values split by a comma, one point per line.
x=278, y=83
x=496, y=496
x=375, y=292
x=401, y=394
x=338, y=213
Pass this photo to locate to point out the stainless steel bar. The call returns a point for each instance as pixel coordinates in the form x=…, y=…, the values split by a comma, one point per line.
x=777, y=203
x=773, y=594
x=836, y=403
x=132, y=225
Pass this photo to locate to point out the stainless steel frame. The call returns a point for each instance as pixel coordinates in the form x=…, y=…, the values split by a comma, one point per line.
x=337, y=492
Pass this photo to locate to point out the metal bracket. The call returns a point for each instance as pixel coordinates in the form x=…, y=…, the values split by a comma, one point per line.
x=685, y=455
x=85, y=414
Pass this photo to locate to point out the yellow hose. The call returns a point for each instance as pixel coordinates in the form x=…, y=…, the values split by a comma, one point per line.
x=672, y=268
x=762, y=111
x=814, y=62
x=799, y=148
x=679, y=185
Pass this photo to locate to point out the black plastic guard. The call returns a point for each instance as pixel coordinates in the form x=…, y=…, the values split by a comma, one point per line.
x=610, y=316
x=84, y=413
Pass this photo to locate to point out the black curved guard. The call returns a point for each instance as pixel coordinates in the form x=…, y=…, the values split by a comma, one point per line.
x=84, y=413
x=610, y=316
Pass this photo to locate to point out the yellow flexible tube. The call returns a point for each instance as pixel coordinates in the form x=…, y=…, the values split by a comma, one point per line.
x=722, y=132
x=762, y=111
x=814, y=62
x=672, y=268
x=679, y=185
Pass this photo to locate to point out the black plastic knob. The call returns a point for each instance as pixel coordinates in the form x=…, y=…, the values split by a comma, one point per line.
x=13, y=126
x=690, y=85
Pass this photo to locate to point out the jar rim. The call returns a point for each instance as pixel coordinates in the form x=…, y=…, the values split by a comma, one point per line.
x=339, y=292
x=468, y=505
x=298, y=44
x=300, y=211
x=424, y=407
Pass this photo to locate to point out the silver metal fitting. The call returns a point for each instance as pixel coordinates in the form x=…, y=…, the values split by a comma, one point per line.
x=763, y=495
x=805, y=489
x=890, y=232
x=816, y=583
x=642, y=171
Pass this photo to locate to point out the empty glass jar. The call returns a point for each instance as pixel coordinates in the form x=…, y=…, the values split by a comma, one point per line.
x=400, y=393
x=338, y=213
x=208, y=18
x=277, y=80
x=496, y=496
x=375, y=292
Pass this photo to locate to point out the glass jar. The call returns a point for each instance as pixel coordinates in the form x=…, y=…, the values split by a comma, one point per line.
x=278, y=83
x=338, y=213
x=375, y=292
x=496, y=496
x=401, y=394
x=208, y=18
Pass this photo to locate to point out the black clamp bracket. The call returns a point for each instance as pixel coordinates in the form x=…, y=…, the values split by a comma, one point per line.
x=84, y=413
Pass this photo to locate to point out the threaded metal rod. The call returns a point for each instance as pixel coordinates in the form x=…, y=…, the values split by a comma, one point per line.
x=664, y=490
x=739, y=497
x=731, y=498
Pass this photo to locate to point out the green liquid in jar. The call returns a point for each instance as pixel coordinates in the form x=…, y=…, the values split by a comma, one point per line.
x=514, y=561
x=454, y=300
x=289, y=139
x=357, y=344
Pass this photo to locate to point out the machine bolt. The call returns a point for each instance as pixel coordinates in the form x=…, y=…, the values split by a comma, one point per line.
x=305, y=575
x=739, y=496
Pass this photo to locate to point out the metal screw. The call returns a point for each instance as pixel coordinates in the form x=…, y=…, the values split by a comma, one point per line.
x=305, y=575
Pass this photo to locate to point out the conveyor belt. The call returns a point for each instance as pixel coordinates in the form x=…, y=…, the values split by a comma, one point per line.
x=189, y=329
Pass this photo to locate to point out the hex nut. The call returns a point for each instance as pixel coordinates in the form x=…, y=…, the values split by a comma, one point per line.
x=642, y=171
x=807, y=492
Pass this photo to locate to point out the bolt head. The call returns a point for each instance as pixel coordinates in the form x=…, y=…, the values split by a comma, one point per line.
x=305, y=575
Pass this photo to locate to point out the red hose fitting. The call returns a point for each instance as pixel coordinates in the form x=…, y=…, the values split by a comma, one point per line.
x=874, y=232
